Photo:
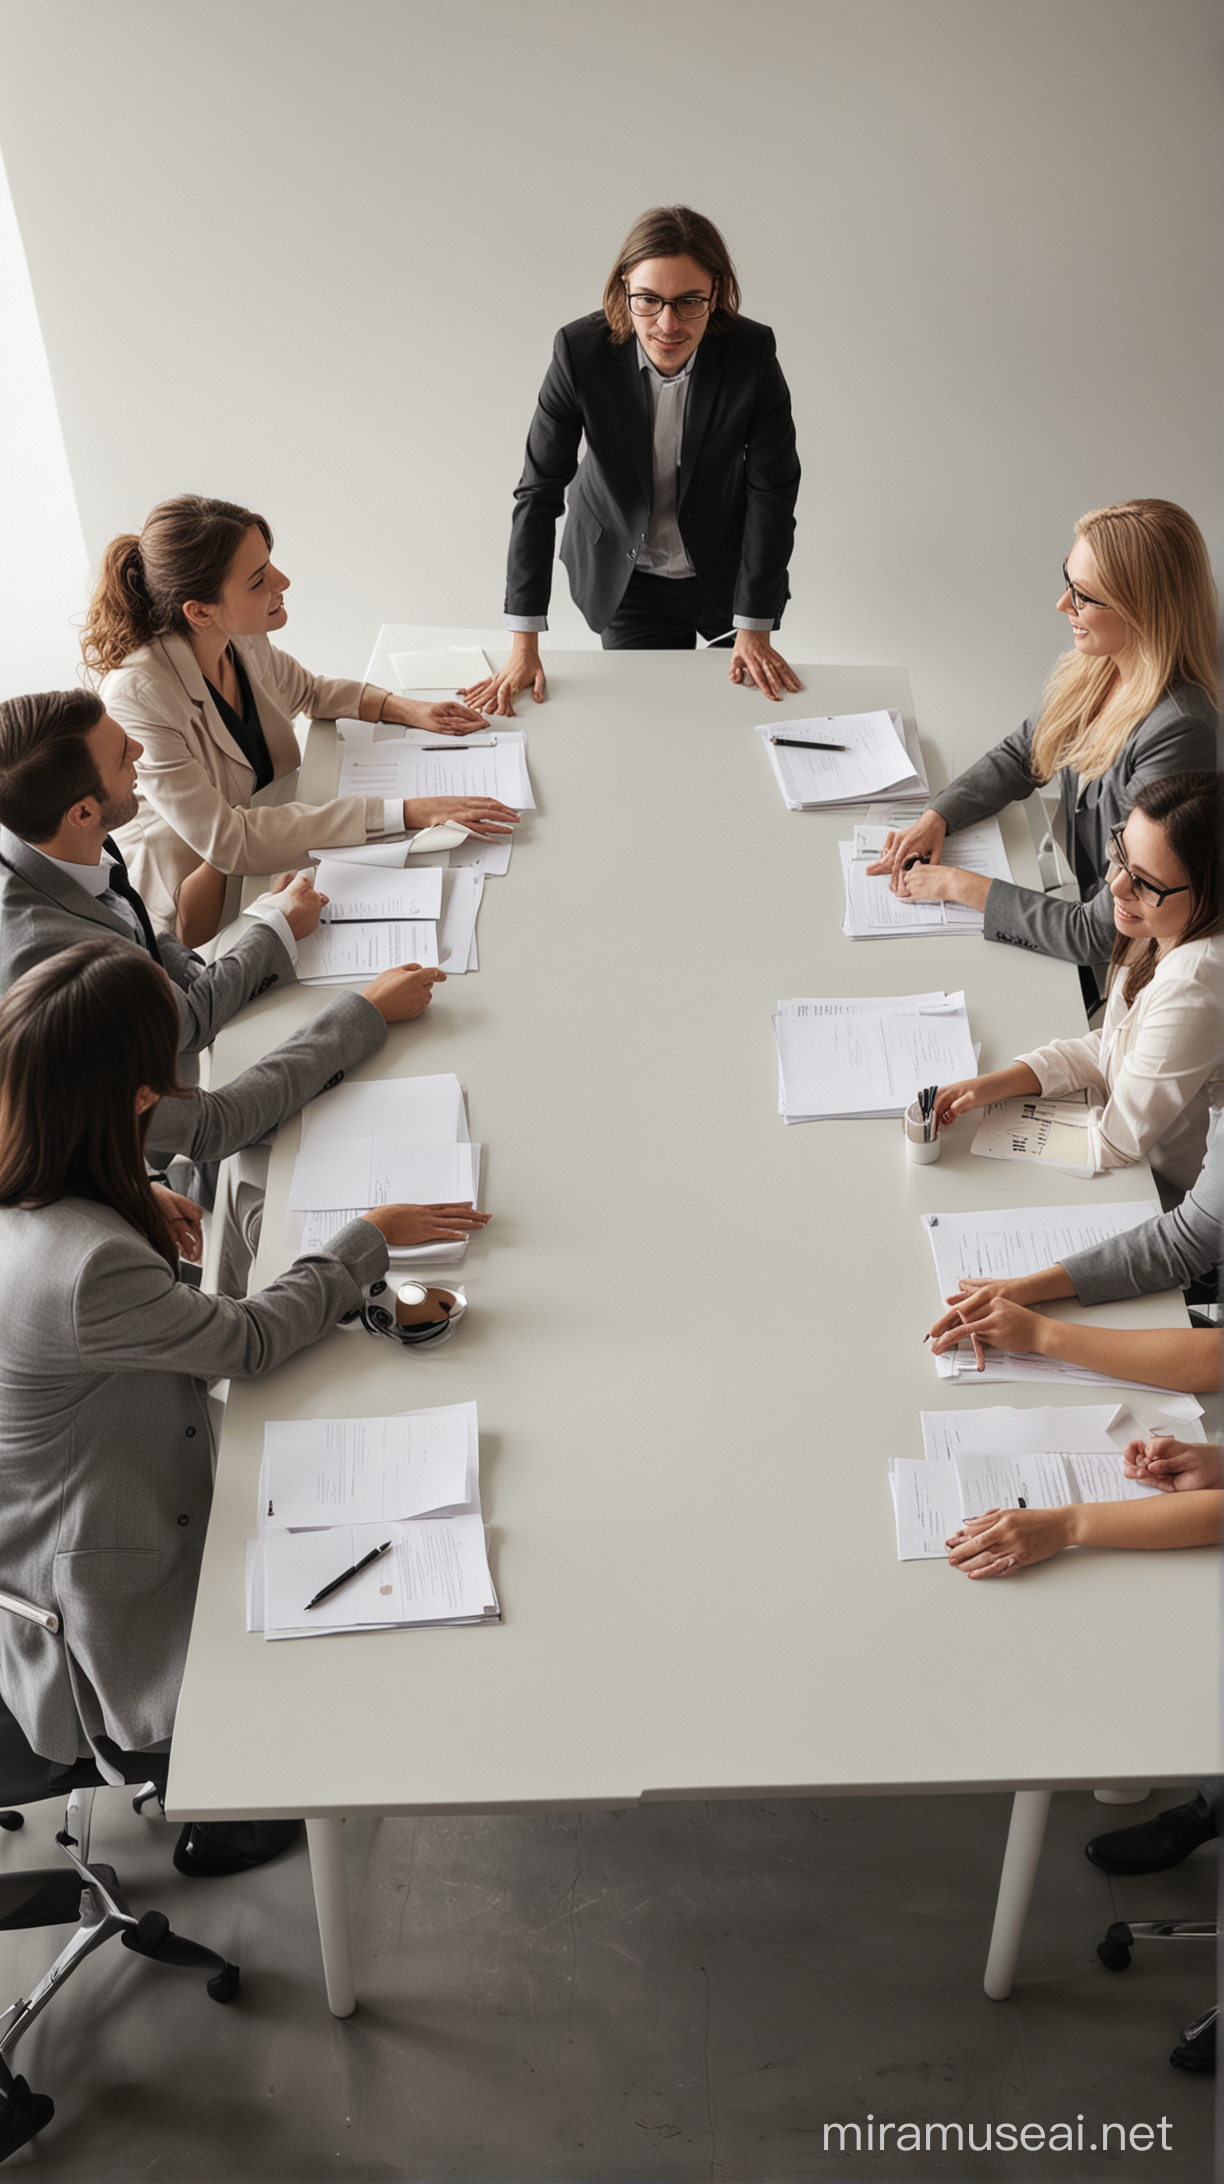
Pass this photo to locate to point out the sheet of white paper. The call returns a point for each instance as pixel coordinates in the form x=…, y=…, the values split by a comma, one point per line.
x=1018, y=1240
x=927, y=1504
x=347, y=955
x=874, y=758
x=325, y=1471
x=1043, y=1480
x=1053, y=1132
x=437, y=1572
x=960, y=1364
x=378, y=856
x=357, y=895
x=406, y=769
x=871, y=906
x=870, y=1061
x=483, y=854
x=427, y=1108
x=1003, y=1430
x=338, y=1173
x=461, y=893
x=451, y=668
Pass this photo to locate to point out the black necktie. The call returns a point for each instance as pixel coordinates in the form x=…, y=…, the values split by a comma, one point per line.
x=120, y=884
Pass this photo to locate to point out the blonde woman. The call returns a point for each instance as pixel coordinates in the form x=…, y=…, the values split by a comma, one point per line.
x=1134, y=700
x=179, y=628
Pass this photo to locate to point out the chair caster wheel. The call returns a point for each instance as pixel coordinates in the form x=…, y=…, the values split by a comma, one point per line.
x=12, y=1820
x=1115, y=1951
x=223, y=1986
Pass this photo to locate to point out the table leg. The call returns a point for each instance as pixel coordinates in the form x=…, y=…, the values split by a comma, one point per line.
x=1024, y=1840
x=326, y=1843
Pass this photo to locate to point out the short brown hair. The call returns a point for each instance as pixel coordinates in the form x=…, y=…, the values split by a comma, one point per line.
x=46, y=765
x=185, y=551
x=672, y=231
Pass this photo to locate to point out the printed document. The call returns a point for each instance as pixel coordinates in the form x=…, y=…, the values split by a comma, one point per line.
x=873, y=910
x=383, y=1171
x=322, y=1471
x=874, y=761
x=404, y=768
x=1005, y=1242
x=357, y=895
x=347, y=955
x=1055, y=1132
x=865, y=1057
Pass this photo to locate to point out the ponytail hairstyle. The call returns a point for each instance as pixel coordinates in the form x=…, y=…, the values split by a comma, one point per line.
x=1189, y=807
x=185, y=551
x=80, y=1035
x=672, y=231
x=1154, y=572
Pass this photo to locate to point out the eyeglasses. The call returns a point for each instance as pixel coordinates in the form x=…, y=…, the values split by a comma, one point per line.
x=1144, y=889
x=1082, y=598
x=644, y=305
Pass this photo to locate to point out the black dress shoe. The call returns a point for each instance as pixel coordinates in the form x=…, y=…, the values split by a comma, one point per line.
x=1198, y=2052
x=231, y=1846
x=1159, y=1843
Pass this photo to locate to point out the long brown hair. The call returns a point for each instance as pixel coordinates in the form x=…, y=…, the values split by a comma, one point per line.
x=672, y=231
x=79, y=1036
x=1190, y=809
x=185, y=551
x=1155, y=573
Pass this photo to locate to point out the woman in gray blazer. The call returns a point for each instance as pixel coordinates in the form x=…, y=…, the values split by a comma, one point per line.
x=1134, y=700
x=105, y=1356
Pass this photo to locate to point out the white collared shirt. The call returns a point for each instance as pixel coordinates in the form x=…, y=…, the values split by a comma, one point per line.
x=96, y=881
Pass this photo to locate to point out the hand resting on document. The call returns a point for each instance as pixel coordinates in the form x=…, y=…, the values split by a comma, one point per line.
x=1005, y=1540
x=299, y=904
x=924, y=838
x=446, y=1224
x=481, y=815
x=1176, y=1467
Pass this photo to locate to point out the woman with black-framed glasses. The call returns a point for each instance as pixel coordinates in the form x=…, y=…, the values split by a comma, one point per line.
x=1133, y=701
x=682, y=514
x=1155, y=1069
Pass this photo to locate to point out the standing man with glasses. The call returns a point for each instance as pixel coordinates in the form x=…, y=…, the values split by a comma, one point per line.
x=681, y=520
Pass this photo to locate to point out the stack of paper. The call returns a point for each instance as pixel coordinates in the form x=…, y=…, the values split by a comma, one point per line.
x=399, y=1141
x=333, y=1489
x=880, y=760
x=1055, y=1132
x=872, y=910
x=414, y=763
x=1008, y=1459
x=841, y=1059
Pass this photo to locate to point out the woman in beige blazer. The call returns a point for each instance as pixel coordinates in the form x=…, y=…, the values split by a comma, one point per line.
x=179, y=627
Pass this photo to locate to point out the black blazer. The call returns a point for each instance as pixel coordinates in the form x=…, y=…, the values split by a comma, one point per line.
x=739, y=474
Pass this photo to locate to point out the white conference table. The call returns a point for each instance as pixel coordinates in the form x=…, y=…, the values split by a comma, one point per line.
x=695, y=1338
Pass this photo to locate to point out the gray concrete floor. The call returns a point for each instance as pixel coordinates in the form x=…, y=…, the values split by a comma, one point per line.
x=664, y=1992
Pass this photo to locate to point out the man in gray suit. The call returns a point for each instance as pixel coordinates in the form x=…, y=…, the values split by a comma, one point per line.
x=67, y=777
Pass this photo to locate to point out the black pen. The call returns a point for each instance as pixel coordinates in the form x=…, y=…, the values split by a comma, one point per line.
x=345, y=1575
x=796, y=743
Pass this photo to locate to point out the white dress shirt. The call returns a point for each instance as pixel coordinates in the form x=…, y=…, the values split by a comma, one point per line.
x=1157, y=1068
x=95, y=879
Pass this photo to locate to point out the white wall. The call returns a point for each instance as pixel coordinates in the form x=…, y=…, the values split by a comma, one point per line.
x=311, y=255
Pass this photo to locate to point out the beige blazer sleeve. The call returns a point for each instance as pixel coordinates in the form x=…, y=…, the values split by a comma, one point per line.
x=195, y=784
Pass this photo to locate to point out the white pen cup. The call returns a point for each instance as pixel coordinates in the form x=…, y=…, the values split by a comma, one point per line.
x=918, y=1145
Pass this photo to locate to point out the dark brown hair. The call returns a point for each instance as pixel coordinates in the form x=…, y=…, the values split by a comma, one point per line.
x=1190, y=809
x=79, y=1036
x=185, y=551
x=672, y=231
x=46, y=764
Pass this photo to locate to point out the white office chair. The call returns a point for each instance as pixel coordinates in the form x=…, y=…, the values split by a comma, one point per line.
x=88, y=1893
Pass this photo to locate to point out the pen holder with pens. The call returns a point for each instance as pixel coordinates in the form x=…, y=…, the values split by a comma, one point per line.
x=920, y=1147
x=411, y=1312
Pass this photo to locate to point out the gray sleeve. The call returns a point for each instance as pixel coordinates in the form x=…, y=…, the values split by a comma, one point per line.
x=208, y=1125
x=130, y=1312
x=1078, y=932
x=208, y=994
x=1165, y=1253
x=1002, y=777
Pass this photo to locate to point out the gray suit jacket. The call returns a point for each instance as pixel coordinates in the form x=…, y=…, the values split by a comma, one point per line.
x=105, y=1454
x=1166, y=1253
x=1178, y=736
x=42, y=911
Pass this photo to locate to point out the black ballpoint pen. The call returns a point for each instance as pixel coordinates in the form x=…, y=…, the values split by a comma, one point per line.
x=797, y=743
x=345, y=1575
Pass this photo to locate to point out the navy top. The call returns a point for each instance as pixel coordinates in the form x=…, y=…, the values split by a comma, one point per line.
x=244, y=727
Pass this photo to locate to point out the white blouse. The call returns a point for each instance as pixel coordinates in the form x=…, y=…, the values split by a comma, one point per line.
x=1157, y=1067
